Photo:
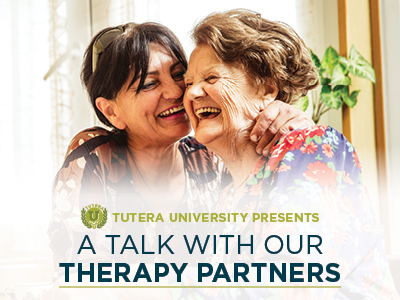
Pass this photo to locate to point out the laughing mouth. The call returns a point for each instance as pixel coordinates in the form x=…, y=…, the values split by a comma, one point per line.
x=172, y=111
x=207, y=112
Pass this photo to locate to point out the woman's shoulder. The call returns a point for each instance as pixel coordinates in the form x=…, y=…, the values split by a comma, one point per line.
x=92, y=152
x=190, y=144
x=92, y=140
x=314, y=144
x=200, y=162
x=315, y=131
x=88, y=136
x=307, y=139
x=192, y=150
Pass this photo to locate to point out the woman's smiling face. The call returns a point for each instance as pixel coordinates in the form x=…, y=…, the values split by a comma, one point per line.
x=155, y=114
x=220, y=99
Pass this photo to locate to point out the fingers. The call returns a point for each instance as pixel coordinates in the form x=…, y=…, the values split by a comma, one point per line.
x=288, y=115
x=270, y=122
x=266, y=150
x=297, y=122
x=276, y=120
x=268, y=139
x=264, y=120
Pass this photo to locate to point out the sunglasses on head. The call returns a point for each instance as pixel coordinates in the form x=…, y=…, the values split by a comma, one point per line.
x=105, y=39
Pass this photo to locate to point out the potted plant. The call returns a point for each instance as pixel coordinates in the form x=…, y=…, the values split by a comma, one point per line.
x=335, y=81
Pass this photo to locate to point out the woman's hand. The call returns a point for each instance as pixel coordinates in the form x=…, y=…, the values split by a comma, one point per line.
x=275, y=120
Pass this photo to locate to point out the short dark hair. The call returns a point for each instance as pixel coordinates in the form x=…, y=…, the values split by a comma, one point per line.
x=270, y=52
x=127, y=56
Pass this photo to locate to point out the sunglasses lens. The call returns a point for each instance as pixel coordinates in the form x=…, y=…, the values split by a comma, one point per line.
x=105, y=39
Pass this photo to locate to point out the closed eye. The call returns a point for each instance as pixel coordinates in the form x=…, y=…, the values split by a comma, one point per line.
x=149, y=86
x=179, y=76
x=212, y=79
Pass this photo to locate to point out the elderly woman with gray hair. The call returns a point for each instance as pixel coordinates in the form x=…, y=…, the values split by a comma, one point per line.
x=241, y=63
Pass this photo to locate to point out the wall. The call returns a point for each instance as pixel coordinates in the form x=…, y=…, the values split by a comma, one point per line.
x=390, y=16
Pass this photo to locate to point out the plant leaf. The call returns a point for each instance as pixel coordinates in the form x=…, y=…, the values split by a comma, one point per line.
x=331, y=99
x=359, y=66
x=325, y=81
x=341, y=91
x=350, y=102
x=344, y=62
x=338, y=77
x=326, y=89
x=330, y=59
x=352, y=99
x=302, y=103
x=317, y=63
x=354, y=94
x=315, y=59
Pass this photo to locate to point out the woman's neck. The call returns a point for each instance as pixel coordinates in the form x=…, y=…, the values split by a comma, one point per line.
x=156, y=163
x=239, y=157
x=158, y=175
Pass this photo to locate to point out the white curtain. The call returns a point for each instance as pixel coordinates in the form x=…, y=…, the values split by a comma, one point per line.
x=181, y=15
x=25, y=141
x=60, y=79
x=107, y=13
x=25, y=147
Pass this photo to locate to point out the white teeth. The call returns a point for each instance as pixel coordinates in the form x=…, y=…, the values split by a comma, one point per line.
x=206, y=109
x=171, y=111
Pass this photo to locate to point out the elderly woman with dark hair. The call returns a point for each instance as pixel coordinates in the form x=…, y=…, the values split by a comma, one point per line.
x=242, y=63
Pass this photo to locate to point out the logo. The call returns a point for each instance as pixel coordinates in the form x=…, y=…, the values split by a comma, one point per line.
x=94, y=216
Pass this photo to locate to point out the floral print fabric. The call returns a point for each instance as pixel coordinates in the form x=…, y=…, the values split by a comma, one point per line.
x=316, y=170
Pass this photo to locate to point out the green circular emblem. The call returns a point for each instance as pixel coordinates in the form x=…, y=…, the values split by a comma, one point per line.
x=94, y=216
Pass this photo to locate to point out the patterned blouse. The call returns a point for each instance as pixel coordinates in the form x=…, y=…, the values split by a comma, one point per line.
x=96, y=171
x=316, y=171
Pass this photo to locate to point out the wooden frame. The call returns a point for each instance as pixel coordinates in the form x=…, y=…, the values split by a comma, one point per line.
x=343, y=51
x=379, y=114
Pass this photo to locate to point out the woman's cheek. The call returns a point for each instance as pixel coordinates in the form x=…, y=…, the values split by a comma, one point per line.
x=233, y=116
x=230, y=97
x=239, y=105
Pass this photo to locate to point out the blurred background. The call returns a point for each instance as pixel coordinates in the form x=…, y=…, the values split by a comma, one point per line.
x=44, y=104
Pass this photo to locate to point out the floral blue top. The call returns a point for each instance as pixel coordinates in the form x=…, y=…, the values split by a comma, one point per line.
x=315, y=170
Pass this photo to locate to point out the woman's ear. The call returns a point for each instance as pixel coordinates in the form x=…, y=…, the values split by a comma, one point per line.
x=108, y=108
x=270, y=92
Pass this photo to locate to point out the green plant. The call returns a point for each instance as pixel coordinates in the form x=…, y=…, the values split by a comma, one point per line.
x=335, y=81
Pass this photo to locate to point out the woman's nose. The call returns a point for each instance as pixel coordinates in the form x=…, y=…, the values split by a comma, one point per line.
x=195, y=92
x=173, y=90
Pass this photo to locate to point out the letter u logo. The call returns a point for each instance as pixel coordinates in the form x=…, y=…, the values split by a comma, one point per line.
x=96, y=217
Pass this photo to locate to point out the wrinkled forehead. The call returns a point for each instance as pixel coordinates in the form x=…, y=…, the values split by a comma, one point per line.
x=204, y=60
